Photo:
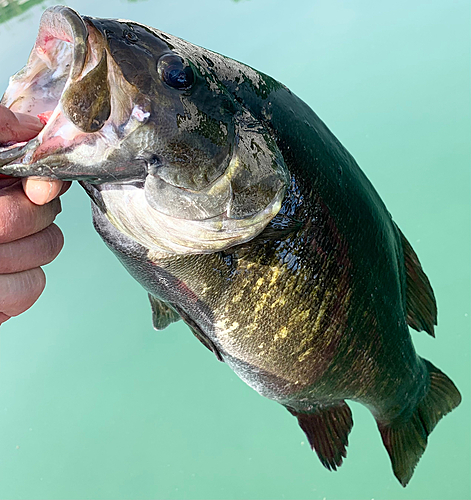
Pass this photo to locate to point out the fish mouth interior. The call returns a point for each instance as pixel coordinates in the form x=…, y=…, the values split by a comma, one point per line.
x=64, y=51
x=60, y=52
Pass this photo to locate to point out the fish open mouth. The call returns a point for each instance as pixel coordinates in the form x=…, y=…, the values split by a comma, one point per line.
x=64, y=84
x=59, y=53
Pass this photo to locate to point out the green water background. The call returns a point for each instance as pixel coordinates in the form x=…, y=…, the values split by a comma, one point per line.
x=94, y=404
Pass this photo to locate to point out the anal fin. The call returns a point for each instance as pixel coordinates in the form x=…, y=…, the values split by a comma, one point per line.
x=162, y=314
x=327, y=429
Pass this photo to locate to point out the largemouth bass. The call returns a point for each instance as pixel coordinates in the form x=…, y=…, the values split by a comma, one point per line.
x=239, y=212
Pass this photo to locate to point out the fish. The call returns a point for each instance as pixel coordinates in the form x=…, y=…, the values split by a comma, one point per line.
x=229, y=200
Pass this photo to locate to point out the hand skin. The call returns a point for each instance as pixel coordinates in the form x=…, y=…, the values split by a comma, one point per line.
x=28, y=237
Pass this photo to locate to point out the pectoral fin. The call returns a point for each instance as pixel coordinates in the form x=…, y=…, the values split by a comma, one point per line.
x=162, y=313
x=201, y=336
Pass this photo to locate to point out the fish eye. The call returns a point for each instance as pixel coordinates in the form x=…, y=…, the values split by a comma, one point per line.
x=130, y=36
x=174, y=72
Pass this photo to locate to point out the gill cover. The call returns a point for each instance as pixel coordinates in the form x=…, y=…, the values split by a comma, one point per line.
x=255, y=178
x=233, y=209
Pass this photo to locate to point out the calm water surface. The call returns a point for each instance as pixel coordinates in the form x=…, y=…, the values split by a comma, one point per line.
x=96, y=405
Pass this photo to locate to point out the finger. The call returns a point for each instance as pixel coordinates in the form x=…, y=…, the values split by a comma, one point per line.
x=19, y=291
x=20, y=217
x=3, y=318
x=27, y=127
x=18, y=127
x=42, y=191
x=33, y=251
x=29, y=121
x=6, y=180
x=7, y=118
x=65, y=187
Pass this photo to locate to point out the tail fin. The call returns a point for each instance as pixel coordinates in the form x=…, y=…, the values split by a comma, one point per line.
x=405, y=441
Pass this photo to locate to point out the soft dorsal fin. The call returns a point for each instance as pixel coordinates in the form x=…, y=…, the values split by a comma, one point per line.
x=420, y=299
x=162, y=313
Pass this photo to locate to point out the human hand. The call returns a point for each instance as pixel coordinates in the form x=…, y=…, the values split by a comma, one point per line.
x=17, y=127
x=28, y=237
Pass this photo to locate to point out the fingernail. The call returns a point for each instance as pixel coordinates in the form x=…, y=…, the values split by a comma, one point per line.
x=49, y=195
x=34, y=120
x=37, y=190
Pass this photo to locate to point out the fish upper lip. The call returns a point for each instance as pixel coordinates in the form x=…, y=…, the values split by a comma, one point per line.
x=65, y=24
x=57, y=23
x=67, y=49
x=50, y=62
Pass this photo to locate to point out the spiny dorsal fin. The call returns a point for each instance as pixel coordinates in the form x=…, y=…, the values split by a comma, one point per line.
x=162, y=313
x=420, y=300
